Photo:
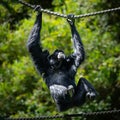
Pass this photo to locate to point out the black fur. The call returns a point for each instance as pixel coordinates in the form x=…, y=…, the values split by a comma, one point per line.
x=59, y=75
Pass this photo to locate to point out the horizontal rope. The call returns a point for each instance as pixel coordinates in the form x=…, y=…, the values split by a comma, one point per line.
x=65, y=16
x=83, y=114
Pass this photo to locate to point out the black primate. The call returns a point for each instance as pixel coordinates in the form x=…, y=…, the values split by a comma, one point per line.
x=59, y=70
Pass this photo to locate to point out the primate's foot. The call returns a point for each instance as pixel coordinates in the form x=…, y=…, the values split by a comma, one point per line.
x=91, y=95
x=90, y=90
x=70, y=90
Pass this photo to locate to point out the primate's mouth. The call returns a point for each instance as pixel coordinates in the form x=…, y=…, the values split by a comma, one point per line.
x=56, y=65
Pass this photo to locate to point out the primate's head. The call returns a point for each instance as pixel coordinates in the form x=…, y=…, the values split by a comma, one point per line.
x=56, y=58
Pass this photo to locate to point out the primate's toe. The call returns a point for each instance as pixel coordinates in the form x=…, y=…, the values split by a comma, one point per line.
x=70, y=90
x=91, y=95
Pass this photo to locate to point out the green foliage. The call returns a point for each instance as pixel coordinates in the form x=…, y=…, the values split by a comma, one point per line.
x=24, y=93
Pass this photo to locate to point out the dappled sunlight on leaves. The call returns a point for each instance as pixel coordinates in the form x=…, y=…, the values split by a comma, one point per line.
x=22, y=90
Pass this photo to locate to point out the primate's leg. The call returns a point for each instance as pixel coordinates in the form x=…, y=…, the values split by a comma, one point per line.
x=80, y=94
x=84, y=89
x=91, y=92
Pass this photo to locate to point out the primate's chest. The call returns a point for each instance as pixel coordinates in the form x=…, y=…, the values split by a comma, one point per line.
x=58, y=77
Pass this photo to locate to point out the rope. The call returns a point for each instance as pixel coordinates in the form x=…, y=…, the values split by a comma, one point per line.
x=43, y=10
x=69, y=115
x=65, y=16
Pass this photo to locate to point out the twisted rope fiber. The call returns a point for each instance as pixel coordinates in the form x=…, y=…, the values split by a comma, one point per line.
x=42, y=10
x=65, y=16
x=69, y=115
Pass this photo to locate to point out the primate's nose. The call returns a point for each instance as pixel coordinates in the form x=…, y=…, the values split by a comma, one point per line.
x=52, y=62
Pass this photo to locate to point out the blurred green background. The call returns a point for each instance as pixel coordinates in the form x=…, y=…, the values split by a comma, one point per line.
x=23, y=92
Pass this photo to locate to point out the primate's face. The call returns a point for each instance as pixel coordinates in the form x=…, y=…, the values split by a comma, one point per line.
x=56, y=58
